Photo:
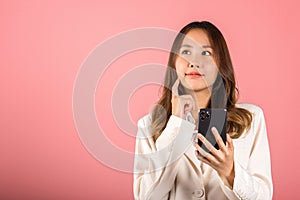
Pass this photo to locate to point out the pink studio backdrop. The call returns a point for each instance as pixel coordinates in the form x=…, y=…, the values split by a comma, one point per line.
x=44, y=43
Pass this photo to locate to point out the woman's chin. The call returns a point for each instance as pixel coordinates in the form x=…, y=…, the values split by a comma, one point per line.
x=195, y=87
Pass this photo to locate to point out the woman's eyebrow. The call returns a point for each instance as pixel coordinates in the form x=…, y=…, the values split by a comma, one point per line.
x=190, y=46
x=187, y=45
x=207, y=46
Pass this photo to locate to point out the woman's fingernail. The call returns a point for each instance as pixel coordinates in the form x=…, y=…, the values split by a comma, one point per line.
x=200, y=137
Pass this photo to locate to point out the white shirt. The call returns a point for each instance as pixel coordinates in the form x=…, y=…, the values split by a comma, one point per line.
x=169, y=169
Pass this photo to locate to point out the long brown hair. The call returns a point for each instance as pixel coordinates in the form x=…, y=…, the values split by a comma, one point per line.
x=224, y=92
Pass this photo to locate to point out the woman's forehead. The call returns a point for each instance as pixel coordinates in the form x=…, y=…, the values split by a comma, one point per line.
x=196, y=37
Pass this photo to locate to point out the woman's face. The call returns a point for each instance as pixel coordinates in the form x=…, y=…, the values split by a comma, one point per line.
x=195, y=64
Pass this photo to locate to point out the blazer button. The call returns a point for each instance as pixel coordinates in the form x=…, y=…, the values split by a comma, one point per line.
x=198, y=194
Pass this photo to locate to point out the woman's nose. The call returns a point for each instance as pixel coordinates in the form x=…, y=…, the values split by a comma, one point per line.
x=192, y=65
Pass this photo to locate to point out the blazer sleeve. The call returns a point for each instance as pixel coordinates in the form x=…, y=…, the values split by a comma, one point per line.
x=156, y=163
x=254, y=181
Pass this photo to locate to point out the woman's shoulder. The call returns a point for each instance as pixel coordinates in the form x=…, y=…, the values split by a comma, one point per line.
x=257, y=119
x=254, y=109
x=144, y=121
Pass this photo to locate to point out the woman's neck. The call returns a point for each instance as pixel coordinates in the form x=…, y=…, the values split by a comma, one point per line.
x=201, y=97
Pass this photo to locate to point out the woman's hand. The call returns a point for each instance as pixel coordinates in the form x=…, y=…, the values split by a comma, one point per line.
x=183, y=104
x=221, y=160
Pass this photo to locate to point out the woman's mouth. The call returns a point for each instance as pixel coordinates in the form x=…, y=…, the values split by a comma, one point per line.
x=193, y=75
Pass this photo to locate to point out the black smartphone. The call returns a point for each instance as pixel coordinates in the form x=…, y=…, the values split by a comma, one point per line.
x=209, y=118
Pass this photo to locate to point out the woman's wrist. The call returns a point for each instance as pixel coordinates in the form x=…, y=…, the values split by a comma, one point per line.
x=229, y=180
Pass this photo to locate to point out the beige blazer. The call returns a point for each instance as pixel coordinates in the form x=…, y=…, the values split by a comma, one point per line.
x=169, y=169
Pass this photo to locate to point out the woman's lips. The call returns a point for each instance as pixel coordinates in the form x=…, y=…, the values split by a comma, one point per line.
x=193, y=75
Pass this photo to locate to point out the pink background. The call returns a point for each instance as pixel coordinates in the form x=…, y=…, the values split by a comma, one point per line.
x=43, y=44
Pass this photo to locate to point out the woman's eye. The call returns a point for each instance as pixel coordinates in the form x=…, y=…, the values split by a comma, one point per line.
x=206, y=53
x=186, y=52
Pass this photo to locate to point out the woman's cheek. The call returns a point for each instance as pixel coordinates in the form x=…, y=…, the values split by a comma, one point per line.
x=180, y=66
x=211, y=75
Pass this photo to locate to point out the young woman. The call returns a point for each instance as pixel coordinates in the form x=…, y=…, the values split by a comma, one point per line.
x=168, y=164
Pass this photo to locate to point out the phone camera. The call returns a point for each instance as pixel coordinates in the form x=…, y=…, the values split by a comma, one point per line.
x=207, y=114
x=204, y=115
